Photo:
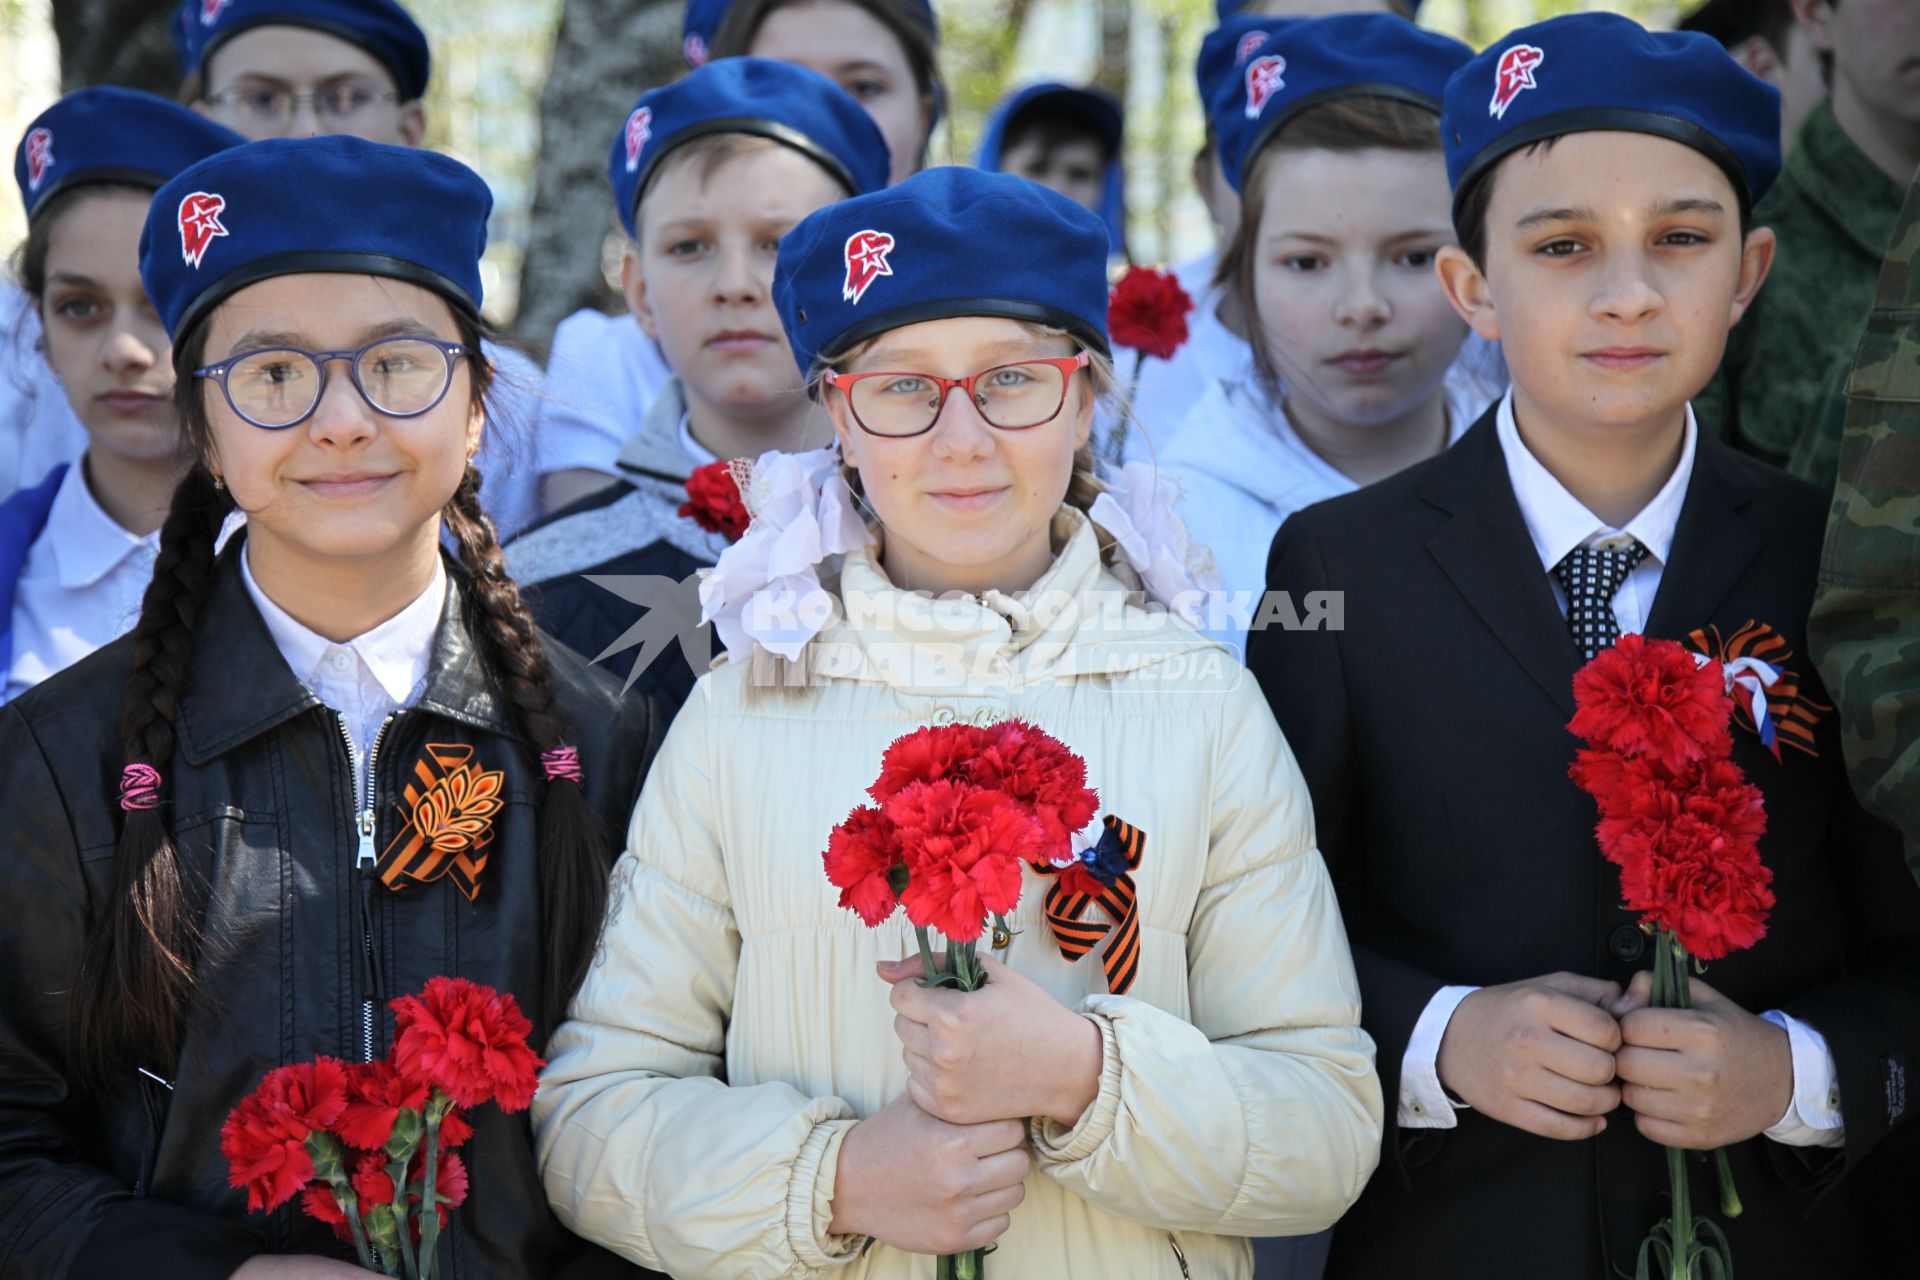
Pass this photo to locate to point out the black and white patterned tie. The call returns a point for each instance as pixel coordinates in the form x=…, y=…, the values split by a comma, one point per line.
x=1590, y=576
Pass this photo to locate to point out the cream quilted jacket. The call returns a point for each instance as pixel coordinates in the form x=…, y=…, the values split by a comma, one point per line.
x=732, y=1029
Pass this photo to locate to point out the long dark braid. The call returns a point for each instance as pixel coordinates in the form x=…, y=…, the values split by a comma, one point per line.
x=575, y=857
x=136, y=972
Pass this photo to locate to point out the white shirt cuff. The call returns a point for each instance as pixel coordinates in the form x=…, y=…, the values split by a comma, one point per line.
x=1423, y=1103
x=1813, y=1111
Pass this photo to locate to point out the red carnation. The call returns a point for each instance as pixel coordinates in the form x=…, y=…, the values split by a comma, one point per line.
x=318, y=1201
x=1649, y=698
x=929, y=755
x=713, y=501
x=1147, y=311
x=963, y=845
x=469, y=1041
x=265, y=1138
x=1706, y=887
x=376, y=1093
x=861, y=852
x=371, y=1182
x=1037, y=769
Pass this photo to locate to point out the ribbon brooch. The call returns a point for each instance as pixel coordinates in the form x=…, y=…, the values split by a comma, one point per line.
x=1766, y=695
x=450, y=803
x=1099, y=875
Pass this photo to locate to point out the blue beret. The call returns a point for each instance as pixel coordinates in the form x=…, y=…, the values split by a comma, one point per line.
x=703, y=19
x=1599, y=71
x=112, y=135
x=1304, y=62
x=293, y=205
x=1220, y=49
x=381, y=27
x=1224, y=9
x=779, y=100
x=1097, y=107
x=946, y=242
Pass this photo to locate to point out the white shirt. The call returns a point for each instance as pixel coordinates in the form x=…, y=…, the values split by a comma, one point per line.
x=509, y=482
x=1558, y=523
x=602, y=377
x=369, y=677
x=1241, y=469
x=80, y=587
x=38, y=429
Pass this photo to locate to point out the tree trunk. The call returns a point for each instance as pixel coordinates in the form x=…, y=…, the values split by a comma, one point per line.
x=1114, y=45
x=123, y=42
x=606, y=54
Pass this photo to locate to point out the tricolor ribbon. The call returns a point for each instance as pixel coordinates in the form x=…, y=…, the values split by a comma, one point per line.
x=450, y=805
x=1766, y=692
x=1120, y=844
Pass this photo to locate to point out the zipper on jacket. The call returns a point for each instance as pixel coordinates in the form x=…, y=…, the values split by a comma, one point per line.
x=366, y=862
x=1179, y=1257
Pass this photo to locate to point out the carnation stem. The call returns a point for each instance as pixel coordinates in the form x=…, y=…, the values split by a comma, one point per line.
x=397, y=1174
x=926, y=953
x=437, y=1108
x=349, y=1202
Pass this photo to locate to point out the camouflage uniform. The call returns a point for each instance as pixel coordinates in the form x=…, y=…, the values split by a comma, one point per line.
x=1833, y=212
x=1865, y=629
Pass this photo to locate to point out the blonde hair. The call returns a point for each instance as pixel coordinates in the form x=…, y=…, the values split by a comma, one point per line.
x=771, y=671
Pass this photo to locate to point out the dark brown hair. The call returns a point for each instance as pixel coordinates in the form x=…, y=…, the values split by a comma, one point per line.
x=920, y=44
x=1344, y=125
x=136, y=971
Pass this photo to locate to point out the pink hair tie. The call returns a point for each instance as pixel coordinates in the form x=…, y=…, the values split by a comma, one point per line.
x=562, y=762
x=139, y=787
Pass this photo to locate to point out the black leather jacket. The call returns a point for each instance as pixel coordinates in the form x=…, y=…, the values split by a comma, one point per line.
x=261, y=799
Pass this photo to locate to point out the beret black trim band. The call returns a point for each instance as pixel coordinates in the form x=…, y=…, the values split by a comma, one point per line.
x=338, y=30
x=317, y=261
x=784, y=134
x=119, y=175
x=1366, y=89
x=953, y=308
x=1608, y=119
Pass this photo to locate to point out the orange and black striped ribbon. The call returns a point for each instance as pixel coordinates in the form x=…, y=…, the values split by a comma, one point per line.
x=450, y=803
x=1793, y=714
x=1076, y=937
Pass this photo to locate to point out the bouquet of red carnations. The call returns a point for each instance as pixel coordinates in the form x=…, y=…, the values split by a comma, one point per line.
x=957, y=810
x=1682, y=823
x=369, y=1147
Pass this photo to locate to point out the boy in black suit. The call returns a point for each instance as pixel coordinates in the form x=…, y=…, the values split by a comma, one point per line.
x=1603, y=179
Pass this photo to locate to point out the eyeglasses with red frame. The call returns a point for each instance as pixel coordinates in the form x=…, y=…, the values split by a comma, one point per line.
x=1010, y=397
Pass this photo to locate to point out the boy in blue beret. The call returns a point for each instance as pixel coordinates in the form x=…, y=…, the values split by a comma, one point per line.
x=1065, y=138
x=1604, y=179
x=708, y=174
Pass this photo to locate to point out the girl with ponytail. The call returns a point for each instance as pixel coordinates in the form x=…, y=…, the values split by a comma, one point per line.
x=328, y=763
x=761, y=1073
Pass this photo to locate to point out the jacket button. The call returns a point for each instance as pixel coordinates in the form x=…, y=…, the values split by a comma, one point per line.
x=1627, y=943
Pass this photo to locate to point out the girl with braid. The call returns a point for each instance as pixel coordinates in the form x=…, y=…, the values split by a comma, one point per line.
x=221, y=852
